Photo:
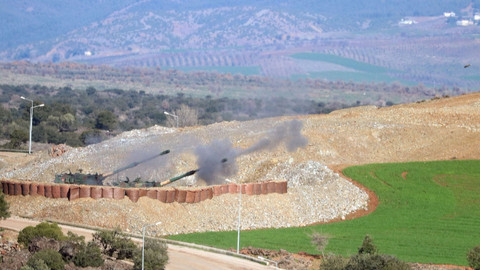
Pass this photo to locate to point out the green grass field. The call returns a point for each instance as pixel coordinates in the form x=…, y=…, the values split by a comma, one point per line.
x=431, y=216
x=363, y=72
x=346, y=62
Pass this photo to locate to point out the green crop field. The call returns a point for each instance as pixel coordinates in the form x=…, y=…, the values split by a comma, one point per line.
x=429, y=215
x=346, y=62
x=360, y=71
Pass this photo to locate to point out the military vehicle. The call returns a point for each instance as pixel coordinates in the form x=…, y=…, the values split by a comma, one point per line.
x=80, y=178
x=97, y=179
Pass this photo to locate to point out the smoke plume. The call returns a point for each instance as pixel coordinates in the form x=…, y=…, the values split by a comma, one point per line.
x=217, y=160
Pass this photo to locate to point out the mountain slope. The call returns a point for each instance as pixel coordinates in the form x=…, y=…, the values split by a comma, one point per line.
x=257, y=37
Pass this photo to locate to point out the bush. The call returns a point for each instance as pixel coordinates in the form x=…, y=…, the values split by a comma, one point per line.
x=49, y=230
x=89, y=255
x=319, y=241
x=125, y=248
x=50, y=257
x=473, y=258
x=363, y=262
x=156, y=256
x=37, y=264
x=71, y=246
x=333, y=262
x=17, y=137
x=367, y=246
x=4, y=213
x=115, y=244
x=375, y=262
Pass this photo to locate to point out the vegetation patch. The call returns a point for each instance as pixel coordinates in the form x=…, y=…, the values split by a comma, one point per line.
x=244, y=70
x=346, y=62
x=433, y=216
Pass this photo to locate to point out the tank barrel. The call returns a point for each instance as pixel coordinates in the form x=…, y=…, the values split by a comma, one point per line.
x=134, y=164
x=176, y=178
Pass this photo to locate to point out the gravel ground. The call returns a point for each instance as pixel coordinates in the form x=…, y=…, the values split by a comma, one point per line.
x=315, y=194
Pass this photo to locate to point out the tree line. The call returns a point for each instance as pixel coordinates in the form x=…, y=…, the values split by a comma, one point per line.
x=80, y=117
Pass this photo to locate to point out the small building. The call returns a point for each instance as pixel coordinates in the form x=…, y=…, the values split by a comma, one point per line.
x=87, y=53
x=407, y=22
x=464, y=22
x=476, y=17
x=449, y=14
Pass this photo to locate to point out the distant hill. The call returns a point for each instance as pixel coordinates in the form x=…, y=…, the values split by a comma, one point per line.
x=253, y=37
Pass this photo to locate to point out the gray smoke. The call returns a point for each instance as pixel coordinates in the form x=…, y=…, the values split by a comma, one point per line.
x=217, y=160
x=288, y=133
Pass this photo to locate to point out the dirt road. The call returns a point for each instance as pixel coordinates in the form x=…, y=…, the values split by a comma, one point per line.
x=180, y=257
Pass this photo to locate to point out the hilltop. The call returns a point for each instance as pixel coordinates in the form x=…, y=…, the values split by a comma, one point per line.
x=439, y=129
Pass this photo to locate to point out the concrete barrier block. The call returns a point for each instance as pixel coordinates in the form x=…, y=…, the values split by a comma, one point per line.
x=171, y=195
x=74, y=192
x=96, y=193
x=18, y=188
x=11, y=188
x=257, y=188
x=181, y=196
x=152, y=193
x=48, y=191
x=107, y=192
x=33, y=189
x=64, y=189
x=190, y=197
x=25, y=189
x=55, y=191
x=118, y=193
x=132, y=194
x=217, y=190
x=85, y=191
x=162, y=195
x=249, y=189
x=270, y=187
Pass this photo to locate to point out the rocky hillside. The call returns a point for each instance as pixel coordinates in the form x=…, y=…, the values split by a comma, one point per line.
x=440, y=129
x=254, y=37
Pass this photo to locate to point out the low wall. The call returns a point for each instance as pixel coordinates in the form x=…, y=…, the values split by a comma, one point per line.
x=163, y=194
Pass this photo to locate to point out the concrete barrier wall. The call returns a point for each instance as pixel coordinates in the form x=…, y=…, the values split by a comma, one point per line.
x=165, y=194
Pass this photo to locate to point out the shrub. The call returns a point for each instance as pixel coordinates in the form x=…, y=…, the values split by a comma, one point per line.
x=375, y=262
x=49, y=230
x=36, y=264
x=17, y=137
x=4, y=213
x=50, y=257
x=367, y=246
x=333, y=262
x=71, y=246
x=473, y=258
x=125, y=248
x=114, y=243
x=89, y=255
x=363, y=262
x=319, y=241
x=156, y=256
